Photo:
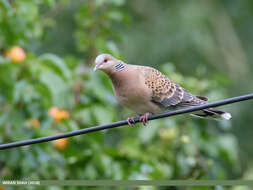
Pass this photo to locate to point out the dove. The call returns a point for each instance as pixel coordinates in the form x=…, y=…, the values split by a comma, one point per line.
x=146, y=91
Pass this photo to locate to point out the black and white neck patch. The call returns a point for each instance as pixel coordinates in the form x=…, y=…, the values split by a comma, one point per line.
x=119, y=66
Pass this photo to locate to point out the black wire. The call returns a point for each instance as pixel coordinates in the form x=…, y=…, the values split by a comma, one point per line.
x=124, y=122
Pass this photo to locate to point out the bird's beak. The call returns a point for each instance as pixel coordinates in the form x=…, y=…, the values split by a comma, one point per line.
x=97, y=67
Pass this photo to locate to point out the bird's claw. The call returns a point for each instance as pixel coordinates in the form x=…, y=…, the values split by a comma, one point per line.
x=131, y=121
x=144, y=118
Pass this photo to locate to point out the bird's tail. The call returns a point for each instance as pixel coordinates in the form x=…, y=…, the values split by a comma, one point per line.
x=212, y=113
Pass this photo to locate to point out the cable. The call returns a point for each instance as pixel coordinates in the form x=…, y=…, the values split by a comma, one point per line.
x=124, y=122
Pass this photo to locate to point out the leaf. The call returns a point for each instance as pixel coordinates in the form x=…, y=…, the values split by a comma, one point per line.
x=84, y=116
x=227, y=144
x=118, y=2
x=147, y=133
x=57, y=64
x=115, y=15
x=95, y=86
x=5, y=4
x=60, y=92
x=102, y=114
x=24, y=91
x=2, y=60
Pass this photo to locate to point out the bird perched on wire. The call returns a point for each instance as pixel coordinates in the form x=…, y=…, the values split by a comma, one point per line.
x=146, y=90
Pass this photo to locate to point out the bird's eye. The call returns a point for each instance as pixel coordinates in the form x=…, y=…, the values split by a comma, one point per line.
x=105, y=60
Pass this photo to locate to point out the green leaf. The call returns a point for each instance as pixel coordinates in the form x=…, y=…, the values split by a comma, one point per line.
x=102, y=114
x=5, y=4
x=57, y=64
x=115, y=15
x=118, y=2
x=24, y=91
x=84, y=116
x=60, y=92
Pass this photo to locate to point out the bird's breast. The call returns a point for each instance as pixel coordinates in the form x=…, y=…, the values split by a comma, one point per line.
x=131, y=92
x=128, y=92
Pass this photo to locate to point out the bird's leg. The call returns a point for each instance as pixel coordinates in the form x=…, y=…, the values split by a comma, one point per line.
x=144, y=118
x=130, y=121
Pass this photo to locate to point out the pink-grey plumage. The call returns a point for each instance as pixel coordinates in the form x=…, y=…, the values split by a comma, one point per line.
x=146, y=90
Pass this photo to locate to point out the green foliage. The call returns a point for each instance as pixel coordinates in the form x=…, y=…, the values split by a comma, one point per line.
x=21, y=21
x=96, y=19
x=173, y=148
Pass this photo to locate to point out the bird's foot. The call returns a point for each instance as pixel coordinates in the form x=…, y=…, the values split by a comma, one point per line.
x=144, y=118
x=130, y=121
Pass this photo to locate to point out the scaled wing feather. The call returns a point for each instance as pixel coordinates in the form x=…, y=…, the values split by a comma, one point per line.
x=168, y=93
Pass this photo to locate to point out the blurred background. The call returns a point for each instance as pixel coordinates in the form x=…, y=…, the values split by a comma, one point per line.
x=47, y=86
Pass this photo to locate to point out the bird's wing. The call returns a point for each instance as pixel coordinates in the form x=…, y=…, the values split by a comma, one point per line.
x=168, y=93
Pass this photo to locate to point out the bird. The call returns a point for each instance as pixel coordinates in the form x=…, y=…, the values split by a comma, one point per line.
x=147, y=91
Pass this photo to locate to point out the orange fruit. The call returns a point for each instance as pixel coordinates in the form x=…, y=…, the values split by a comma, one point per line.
x=58, y=114
x=53, y=112
x=60, y=144
x=2, y=187
x=16, y=53
x=35, y=123
x=63, y=114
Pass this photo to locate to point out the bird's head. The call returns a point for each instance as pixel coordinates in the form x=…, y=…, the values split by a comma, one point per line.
x=105, y=62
